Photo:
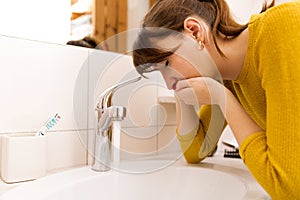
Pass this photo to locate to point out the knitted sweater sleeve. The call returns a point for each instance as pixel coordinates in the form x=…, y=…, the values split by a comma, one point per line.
x=272, y=156
x=198, y=144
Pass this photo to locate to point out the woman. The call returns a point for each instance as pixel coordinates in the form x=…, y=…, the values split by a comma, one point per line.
x=260, y=99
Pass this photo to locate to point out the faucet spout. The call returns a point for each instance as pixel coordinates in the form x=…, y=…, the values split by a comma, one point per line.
x=103, y=152
x=103, y=137
x=107, y=114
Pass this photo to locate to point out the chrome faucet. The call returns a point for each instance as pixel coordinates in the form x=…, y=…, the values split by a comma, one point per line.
x=107, y=113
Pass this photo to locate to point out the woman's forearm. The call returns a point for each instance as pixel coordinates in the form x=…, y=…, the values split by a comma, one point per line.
x=241, y=124
x=187, y=118
x=209, y=91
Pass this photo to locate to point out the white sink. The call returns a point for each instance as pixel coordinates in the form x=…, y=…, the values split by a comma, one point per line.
x=173, y=182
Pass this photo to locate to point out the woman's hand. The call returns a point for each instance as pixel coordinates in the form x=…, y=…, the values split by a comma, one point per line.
x=186, y=115
x=201, y=91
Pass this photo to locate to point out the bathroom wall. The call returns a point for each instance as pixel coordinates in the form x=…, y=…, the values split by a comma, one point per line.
x=242, y=10
x=36, y=20
x=142, y=129
x=38, y=79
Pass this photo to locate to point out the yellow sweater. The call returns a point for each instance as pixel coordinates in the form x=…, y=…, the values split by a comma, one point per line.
x=269, y=90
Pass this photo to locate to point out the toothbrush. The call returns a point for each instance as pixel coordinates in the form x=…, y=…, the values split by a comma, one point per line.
x=48, y=125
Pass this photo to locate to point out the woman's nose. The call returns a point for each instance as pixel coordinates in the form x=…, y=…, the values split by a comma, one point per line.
x=169, y=86
x=168, y=81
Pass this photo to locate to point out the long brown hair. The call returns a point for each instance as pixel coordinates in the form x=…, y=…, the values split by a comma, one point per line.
x=170, y=15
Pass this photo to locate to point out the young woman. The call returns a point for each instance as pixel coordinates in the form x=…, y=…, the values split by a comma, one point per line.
x=260, y=98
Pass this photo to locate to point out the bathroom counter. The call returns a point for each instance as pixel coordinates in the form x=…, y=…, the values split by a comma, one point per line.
x=5, y=187
x=231, y=166
x=236, y=168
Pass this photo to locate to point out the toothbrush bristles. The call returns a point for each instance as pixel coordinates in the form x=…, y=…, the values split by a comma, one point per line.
x=49, y=124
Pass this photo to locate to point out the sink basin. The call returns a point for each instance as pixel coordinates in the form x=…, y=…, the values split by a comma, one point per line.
x=172, y=182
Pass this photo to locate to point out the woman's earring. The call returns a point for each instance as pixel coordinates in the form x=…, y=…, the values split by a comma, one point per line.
x=201, y=44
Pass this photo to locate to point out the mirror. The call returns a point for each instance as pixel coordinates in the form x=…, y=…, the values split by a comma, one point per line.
x=60, y=21
x=44, y=20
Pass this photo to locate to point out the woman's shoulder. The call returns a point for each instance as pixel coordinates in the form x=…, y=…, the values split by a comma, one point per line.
x=277, y=23
x=282, y=12
x=288, y=8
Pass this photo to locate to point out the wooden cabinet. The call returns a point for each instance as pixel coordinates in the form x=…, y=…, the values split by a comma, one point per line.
x=110, y=22
x=152, y=2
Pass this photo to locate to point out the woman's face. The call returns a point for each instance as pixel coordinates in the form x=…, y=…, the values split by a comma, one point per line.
x=188, y=61
x=176, y=68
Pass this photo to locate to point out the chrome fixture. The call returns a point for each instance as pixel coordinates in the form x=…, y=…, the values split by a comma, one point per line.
x=107, y=114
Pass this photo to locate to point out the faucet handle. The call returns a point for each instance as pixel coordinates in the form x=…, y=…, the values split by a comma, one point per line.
x=113, y=113
x=117, y=113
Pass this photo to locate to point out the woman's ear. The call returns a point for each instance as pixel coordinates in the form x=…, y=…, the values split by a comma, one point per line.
x=194, y=28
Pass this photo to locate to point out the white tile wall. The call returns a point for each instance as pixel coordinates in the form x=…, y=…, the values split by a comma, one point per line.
x=38, y=79
x=136, y=144
x=139, y=99
x=139, y=128
x=0, y=153
x=168, y=143
x=65, y=149
x=141, y=102
x=242, y=10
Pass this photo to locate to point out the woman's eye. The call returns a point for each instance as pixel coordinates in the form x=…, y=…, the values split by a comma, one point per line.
x=167, y=64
